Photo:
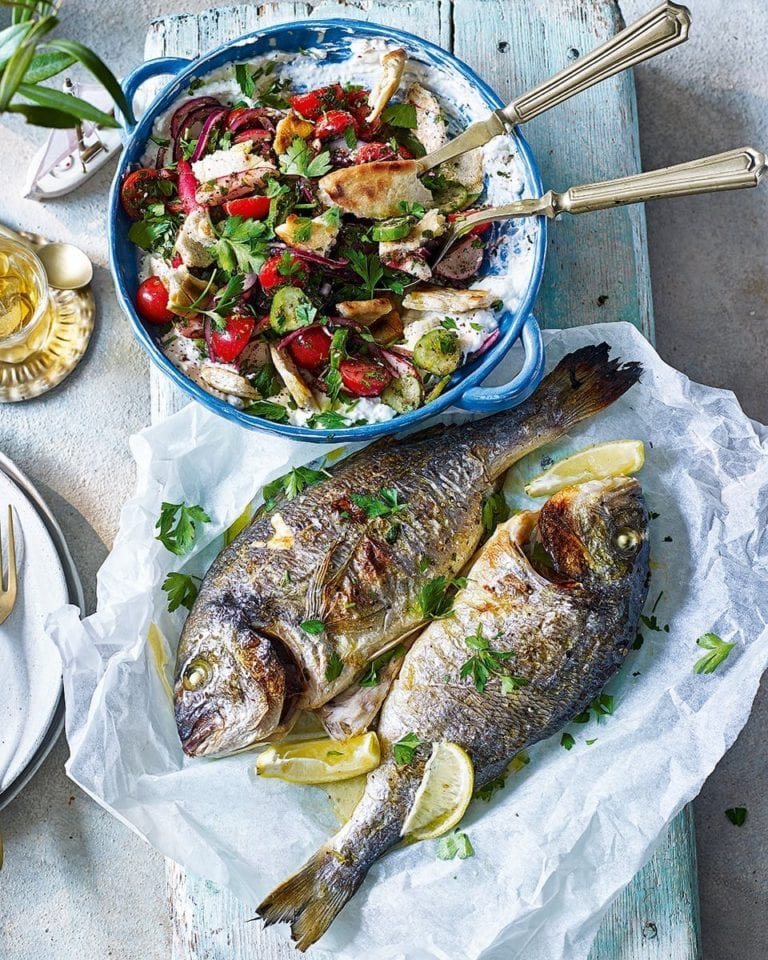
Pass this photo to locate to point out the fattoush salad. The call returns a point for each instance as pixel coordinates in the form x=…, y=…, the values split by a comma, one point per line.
x=293, y=300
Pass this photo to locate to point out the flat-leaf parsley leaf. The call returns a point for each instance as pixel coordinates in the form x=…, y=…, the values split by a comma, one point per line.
x=177, y=526
x=718, y=651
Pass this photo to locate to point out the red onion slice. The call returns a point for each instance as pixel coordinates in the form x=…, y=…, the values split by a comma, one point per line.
x=180, y=118
x=486, y=345
x=317, y=258
x=398, y=363
x=255, y=117
x=212, y=122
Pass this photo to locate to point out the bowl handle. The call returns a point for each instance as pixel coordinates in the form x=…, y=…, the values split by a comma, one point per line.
x=490, y=399
x=146, y=71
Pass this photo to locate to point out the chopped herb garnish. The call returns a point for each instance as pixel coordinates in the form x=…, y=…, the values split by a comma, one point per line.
x=372, y=675
x=405, y=749
x=411, y=209
x=718, y=651
x=266, y=381
x=181, y=589
x=489, y=789
x=350, y=138
x=486, y=662
x=602, y=706
x=275, y=412
x=737, y=815
x=435, y=598
x=291, y=484
x=177, y=526
x=456, y=844
x=329, y=419
x=651, y=623
x=423, y=564
x=313, y=627
x=400, y=115
x=379, y=505
x=244, y=78
x=567, y=741
x=242, y=245
x=157, y=230
x=333, y=381
x=590, y=742
x=335, y=666
x=368, y=268
x=449, y=323
x=495, y=511
x=298, y=161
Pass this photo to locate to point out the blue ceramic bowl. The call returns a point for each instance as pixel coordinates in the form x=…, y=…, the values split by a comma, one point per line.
x=334, y=36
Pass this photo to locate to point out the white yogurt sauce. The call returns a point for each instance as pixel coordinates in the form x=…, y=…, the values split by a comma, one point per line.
x=461, y=104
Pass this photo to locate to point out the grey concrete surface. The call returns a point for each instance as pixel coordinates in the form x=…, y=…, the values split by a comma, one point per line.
x=77, y=883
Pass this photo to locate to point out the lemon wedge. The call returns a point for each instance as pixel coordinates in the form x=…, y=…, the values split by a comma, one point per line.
x=620, y=458
x=320, y=761
x=443, y=795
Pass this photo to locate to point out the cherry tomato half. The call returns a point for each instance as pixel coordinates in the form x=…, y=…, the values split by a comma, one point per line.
x=334, y=97
x=311, y=348
x=229, y=343
x=250, y=208
x=334, y=123
x=280, y=270
x=142, y=187
x=363, y=378
x=152, y=301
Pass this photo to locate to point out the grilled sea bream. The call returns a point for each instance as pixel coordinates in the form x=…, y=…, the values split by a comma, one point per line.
x=556, y=635
x=292, y=611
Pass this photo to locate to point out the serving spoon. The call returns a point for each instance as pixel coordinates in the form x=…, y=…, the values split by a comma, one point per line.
x=664, y=27
x=732, y=170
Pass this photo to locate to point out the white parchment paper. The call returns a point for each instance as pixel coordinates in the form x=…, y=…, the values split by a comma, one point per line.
x=571, y=828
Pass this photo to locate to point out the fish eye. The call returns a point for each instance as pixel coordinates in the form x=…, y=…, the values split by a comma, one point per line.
x=627, y=540
x=196, y=675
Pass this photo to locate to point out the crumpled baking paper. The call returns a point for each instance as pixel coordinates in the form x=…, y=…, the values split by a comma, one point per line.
x=570, y=828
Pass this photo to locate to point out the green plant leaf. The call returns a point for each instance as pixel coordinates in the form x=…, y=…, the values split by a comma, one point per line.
x=10, y=39
x=99, y=69
x=46, y=65
x=21, y=58
x=42, y=116
x=66, y=102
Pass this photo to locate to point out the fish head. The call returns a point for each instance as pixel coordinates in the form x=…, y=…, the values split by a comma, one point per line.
x=233, y=686
x=597, y=531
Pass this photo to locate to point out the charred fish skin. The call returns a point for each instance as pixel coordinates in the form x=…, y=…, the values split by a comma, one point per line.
x=567, y=633
x=322, y=558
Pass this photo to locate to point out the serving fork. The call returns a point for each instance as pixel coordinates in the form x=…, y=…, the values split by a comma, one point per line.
x=8, y=594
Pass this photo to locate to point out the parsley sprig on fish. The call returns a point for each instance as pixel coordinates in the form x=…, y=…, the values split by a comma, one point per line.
x=291, y=484
x=382, y=504
x=404, y=751
x=486, y=662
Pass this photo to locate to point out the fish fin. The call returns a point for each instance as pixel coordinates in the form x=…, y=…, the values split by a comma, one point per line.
x=311, y=899
x=586, y=381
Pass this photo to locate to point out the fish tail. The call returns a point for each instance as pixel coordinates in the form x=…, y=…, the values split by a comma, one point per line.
x=311, y=899
x=585, y=382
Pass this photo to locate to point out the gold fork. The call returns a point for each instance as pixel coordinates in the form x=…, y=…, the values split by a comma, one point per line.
x=8, y=595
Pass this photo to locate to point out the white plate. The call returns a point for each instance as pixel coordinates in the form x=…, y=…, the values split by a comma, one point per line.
x=30, y=664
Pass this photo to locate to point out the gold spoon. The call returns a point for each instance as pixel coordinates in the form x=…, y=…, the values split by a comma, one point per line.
x=66, y=266
x=375, y=190
x=733, y=170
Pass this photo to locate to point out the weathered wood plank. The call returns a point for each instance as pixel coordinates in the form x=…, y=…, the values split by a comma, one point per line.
x=516, y=45
x=513, y=45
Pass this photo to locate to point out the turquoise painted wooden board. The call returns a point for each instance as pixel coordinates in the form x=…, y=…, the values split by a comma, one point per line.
x=597, y=270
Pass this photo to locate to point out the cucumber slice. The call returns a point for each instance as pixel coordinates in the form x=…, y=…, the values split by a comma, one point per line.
x=438, y=351
x=403, y=393
x=395, y=229
x=452, y=196
x=284, y=314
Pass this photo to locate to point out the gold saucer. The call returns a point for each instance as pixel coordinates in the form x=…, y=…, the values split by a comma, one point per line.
x=53, y=350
